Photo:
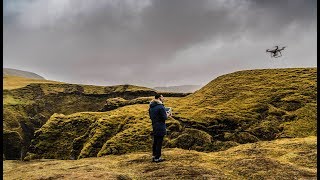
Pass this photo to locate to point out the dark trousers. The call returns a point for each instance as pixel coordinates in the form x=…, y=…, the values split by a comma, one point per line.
x=156, y=147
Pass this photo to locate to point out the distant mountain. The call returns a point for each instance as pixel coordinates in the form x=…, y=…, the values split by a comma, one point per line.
x=179, y=89
x=16, y=72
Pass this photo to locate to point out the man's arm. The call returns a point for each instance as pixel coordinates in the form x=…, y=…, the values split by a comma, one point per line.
x=163, y=113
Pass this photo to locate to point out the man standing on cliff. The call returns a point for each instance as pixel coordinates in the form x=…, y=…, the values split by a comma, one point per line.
x=158, y=116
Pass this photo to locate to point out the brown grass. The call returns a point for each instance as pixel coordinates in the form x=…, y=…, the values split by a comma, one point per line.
x=14, y=82
x=280, y=159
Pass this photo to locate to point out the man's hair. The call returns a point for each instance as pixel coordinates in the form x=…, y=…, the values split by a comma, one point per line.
x=157, y=96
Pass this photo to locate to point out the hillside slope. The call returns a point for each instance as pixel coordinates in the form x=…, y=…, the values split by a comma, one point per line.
x=237, y=108
x=26, y=109
x=267, y=103
x=20, y=73
x=14, y=82
x=29, y=103
x=279, y=159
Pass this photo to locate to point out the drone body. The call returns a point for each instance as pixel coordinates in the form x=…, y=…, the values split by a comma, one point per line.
x=275, y=53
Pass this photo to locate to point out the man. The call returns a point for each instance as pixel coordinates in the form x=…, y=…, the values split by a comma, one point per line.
x=158, y=116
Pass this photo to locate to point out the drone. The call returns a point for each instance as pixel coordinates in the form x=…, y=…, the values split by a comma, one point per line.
x=275, y=53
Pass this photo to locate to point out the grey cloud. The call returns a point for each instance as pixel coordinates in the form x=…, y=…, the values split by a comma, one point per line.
x=138, y=42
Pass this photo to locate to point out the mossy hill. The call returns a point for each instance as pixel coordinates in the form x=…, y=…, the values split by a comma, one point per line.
x=287, y=158
x=14, y=82
x=29, y=103
x=238, y=108
x=263, y=104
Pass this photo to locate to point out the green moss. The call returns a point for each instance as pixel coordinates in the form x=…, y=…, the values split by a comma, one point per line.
x=135, y=138
x=192, y=139
x=241, y=107
x=31, y=156
x=242, y=138
x=173, y=126
x=11, y=100
x=222, y=145
x=305, y=123
x=54, y=139
x=98, y=133
x=12, y=115
x=249, y=98
x=266, y=130
x=89, y=134
x=12, y=144
x=35, y=103
x=117, y=102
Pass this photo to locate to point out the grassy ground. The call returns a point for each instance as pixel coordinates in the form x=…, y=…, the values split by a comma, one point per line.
x=279, y=159
x=29, y=103
x=13, y=82
x=237, y=108
x=225, y=116
x=88, y=134
x=279, y=101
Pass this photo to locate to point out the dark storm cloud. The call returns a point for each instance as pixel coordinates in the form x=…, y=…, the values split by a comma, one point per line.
x=152, y=43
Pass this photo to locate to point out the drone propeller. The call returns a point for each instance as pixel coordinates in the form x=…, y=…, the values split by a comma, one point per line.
x=282, y=48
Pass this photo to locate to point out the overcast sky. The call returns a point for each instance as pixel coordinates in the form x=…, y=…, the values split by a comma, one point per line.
x=155, y=42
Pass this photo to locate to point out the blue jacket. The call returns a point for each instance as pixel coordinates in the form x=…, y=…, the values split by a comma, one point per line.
x=158, y=117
